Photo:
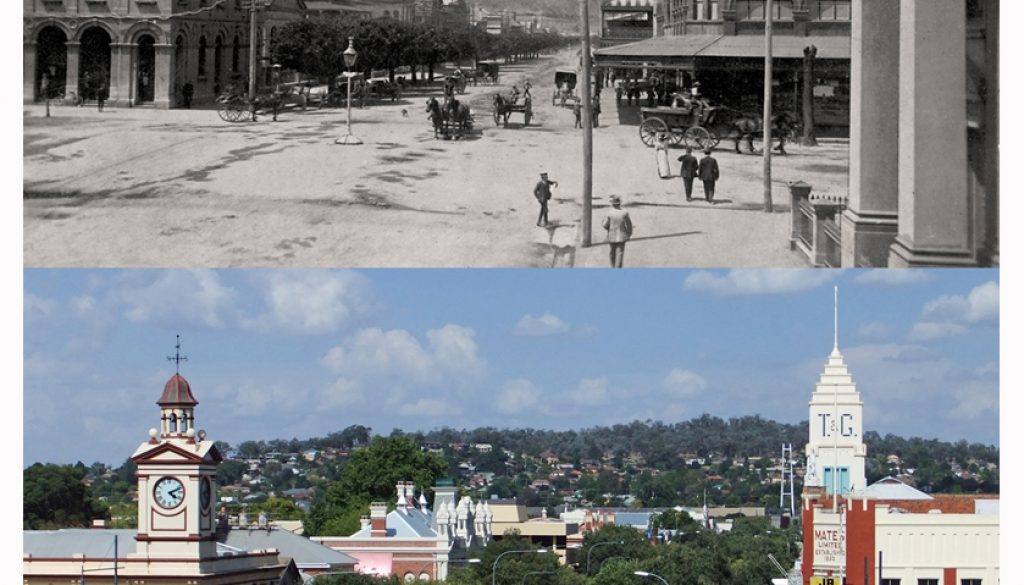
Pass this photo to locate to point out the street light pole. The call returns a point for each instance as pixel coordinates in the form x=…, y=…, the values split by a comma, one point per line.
x=494, y=567
x=646, y=574
x=600, y=544
x=588, y=127
x=253, y=5
x=350, y=56
x=767, y=118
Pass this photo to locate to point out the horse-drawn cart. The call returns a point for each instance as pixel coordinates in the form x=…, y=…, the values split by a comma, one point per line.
x=235, y=107
x=504, y=107
x=690, y=124
x=565, y=85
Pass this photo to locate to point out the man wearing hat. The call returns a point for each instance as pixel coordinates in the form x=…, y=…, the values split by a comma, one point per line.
x=707, y=170
x=543, y=194
x=688, y=171
x=620, y=229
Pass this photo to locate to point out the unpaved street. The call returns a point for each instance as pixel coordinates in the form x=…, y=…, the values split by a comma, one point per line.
x=152, y=188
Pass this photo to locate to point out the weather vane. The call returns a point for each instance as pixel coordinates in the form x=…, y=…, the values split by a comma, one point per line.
x=178, y=358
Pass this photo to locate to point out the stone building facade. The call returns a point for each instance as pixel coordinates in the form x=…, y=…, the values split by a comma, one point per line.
x=144, y=52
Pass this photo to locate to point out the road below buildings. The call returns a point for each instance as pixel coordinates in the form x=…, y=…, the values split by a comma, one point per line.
x=181, y=188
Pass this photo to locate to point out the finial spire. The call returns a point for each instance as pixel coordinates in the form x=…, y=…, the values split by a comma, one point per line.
x=835, y=345
x=178, y=358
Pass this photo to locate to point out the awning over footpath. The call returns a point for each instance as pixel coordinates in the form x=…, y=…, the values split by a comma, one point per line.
x=685, y=48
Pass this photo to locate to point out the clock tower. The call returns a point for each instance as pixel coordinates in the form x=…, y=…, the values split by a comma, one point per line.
x=835, y=448
x=177, y=473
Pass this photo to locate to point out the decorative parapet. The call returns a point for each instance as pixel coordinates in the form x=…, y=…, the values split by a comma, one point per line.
x=814, y=227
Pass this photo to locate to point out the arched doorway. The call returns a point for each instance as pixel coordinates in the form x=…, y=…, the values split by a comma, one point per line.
x=218, y=63
x=94, y=68
x=51, y=62
x=146, y=70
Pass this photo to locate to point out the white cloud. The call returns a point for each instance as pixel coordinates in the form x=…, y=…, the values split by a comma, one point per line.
x=892, y=277
x=874, y=329
x=313, y=302
x=546, y=324
x=684, y=383
x=975, y=399
x=591, y=392
x=758, y=282
x=516, y=396
x=194, y=297
x=450, y=354
x=36, y=307
x=427, y=407
x=84, y=305
x=953, y=315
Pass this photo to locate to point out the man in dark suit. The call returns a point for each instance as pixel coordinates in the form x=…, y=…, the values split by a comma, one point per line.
x=542, y=191
x=707, y=170
x=688, y=171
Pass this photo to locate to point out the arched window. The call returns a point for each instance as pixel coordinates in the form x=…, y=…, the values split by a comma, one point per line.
x=235, y=50
x=172, y=423
x=202, y=56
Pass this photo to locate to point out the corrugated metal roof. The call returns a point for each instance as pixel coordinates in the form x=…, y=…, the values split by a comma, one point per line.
x=783, y=47
x=890, y=488
x=302, y=550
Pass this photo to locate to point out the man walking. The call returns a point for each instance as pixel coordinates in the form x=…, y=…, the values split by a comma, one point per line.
x=707, y=170
x=688, y=171
x=620, y=229
x=101, y=94
x=577, y=110
x=543, y=194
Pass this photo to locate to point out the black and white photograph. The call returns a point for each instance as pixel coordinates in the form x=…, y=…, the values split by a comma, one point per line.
x=415, y=133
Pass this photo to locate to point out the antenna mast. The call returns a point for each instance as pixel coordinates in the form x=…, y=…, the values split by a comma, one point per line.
x=786, y=489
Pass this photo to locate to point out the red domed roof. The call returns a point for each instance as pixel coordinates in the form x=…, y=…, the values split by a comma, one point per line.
x=177, y=393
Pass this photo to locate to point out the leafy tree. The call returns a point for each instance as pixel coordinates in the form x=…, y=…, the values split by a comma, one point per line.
x=611, y=540
x=231, y=471
x=56, y=497
x=278, y=509
x=513, y=568
x=314, y=47
x=370, y=475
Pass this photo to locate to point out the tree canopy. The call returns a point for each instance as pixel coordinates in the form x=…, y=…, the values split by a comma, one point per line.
x=56, y=497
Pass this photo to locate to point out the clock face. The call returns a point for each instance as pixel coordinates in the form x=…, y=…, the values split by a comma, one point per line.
x=168, y=492
x=204, y=493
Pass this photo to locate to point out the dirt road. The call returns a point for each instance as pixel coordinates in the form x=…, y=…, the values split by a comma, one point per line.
x=181, y=188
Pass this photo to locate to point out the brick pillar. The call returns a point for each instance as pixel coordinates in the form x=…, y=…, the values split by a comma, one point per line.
x=860, y=542
x=71, y=77
x=869, y=224
x=949, y=576
x=807, y=526
x=163, y=96
x=29, y=71
x=934, y=214
x=121, y=78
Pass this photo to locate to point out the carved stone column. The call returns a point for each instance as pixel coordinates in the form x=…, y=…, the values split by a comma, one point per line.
x=71, y=77
x=869, y=224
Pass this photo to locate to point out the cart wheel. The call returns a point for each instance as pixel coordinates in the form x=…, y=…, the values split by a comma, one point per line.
x=675, y=138
x=698, y=138
x=224, y=113
x=715, y=138
x=649, y=130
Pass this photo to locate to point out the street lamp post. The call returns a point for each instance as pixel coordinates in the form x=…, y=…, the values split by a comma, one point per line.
x=600, y=544
x=646, y=574
x=494, y=567
x=350, y=56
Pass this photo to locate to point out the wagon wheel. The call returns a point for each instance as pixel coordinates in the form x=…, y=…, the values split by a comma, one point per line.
x=224, y=112
x=675, y=138
x=698, y=138
x=715, y=139
x=650, y=128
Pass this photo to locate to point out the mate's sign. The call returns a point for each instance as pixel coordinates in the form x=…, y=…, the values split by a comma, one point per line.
x=829, y=547
x=826, y=581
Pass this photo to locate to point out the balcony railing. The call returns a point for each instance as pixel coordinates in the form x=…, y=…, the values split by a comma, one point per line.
x=815, y=225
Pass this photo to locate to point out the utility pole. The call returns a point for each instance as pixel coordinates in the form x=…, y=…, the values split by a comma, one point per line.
x=588, y=127
x=767, y=118
x=253, y=6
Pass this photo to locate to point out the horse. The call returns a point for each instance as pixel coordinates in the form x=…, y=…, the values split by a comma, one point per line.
x=502, y=109
x=747, y=124
x=459, y=116
x=437, y=117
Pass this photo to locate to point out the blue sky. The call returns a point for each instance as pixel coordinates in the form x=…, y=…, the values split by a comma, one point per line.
x=288, y=353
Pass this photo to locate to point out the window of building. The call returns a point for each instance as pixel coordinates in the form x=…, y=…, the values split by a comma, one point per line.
x=830, y=9
x=202, y=57
x=715, y=15
x=890, y=582
x=409, y=577
x=970, y=581
x=975, y=9
x=927, y=582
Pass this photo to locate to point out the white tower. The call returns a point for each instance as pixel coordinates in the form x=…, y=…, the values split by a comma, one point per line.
x=835, y=447
x=177, y=475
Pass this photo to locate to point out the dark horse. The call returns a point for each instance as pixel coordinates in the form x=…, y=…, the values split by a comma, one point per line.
x=437, y=117
x=459, y=116
x=747, y=124
x=502, y=109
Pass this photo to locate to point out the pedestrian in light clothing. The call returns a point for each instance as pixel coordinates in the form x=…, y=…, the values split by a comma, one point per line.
x=707, y=170
x=620, y=229
x=688, y=171
x=577, y=110
x=543, y=194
